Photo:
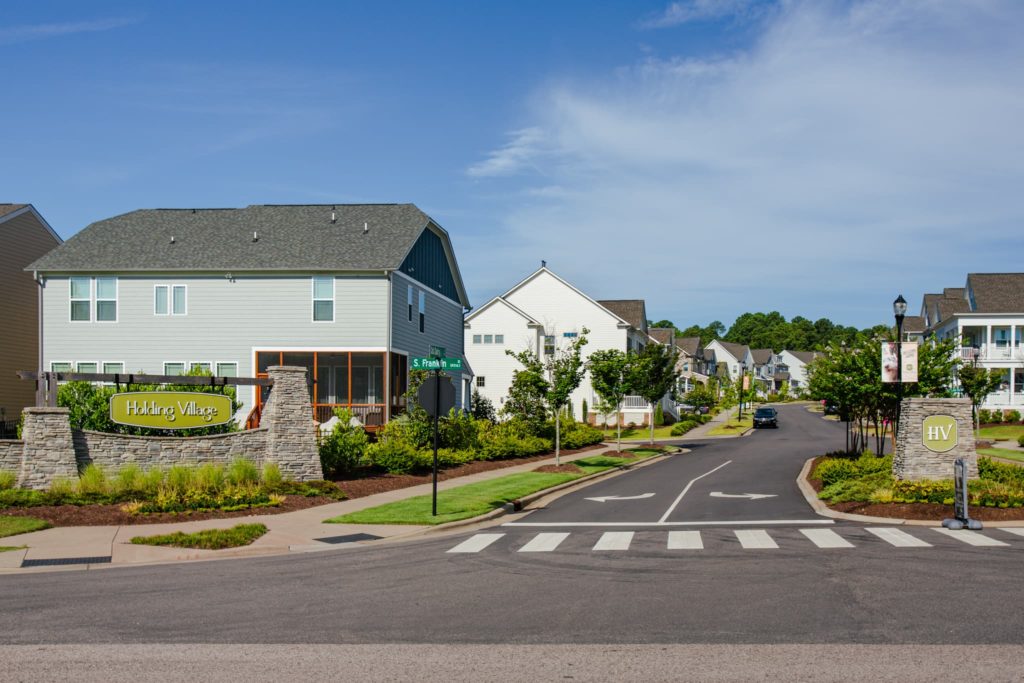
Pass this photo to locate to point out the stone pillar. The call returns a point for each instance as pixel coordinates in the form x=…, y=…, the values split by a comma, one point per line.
x=48, y=451
x=288, y=417
x=915, y=457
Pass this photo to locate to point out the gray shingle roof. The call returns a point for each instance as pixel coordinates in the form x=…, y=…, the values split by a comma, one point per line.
x=739, y=351
x=662, y=335
x=689, y=345
x=10, y=208
x=292, y=237
x=761, y=356
x=913, y=323
x=633, y=311
x=997, y=292
x=805, y=356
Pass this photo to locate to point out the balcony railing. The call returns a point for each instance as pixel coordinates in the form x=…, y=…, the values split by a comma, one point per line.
x=990, y=352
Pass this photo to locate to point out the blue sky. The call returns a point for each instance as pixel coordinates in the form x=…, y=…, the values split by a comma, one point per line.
x=709, y=156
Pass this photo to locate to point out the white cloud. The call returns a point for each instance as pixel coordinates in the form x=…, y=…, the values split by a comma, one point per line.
x=853, y=151
x=687, y=11
x=517, y=155
x=25, y=33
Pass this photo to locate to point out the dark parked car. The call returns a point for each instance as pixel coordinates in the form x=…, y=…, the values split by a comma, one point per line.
x=766, y=417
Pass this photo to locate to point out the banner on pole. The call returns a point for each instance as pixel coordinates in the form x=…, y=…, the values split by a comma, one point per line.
x=890, y=363
x=909, y=361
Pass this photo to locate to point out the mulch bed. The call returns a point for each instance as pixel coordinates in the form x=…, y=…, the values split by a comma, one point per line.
x=560, y=469
x=112, y=515
x=926, y=511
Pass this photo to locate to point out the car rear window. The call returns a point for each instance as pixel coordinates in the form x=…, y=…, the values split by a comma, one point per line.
x=764, y=412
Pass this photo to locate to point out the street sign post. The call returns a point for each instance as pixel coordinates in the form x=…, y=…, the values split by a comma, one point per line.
x=437, y=396
x=437, y=351
x=429, y=363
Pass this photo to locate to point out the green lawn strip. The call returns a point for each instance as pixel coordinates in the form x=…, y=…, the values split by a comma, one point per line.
x=7, y=548
x=640, y=433
x=1003, y=453
x=1002, y=432
x=9, y=525
x=210, y=539
x=733, y=426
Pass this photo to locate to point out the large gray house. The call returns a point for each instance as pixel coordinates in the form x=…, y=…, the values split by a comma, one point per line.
x=348, y=291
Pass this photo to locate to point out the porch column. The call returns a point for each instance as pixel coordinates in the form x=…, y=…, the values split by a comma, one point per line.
x=1013, y=377
x=988, y=344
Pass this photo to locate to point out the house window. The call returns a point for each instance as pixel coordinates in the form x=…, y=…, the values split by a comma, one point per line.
x=80, y=299
x=179, y=300
x=476, y=338
x=570, y=335
x=488, y=339
x=87, y=367
x=323, y=298
x=227, y=369
x=423, y=311
x=174, y=368
x=481, y=381
x=60, y=366
x=113, y=368
x=409, y=301
x=202, y=367
x=160, y=300
x=499, y=339
x=549, y=345
x=106, y=299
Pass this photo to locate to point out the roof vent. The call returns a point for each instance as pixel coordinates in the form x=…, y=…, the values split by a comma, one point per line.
x=255, y=236
x=366, y=228
x=333, y=218
x=172, y=239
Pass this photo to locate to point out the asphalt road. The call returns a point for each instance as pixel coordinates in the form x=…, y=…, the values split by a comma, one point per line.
x=725, y=594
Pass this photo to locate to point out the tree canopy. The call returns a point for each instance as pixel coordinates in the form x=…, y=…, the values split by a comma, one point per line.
x=773, y=331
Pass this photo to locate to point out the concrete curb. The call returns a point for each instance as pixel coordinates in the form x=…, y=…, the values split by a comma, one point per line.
x=821, y=508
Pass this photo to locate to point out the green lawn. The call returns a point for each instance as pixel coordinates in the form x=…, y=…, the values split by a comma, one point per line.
x=10, y=525
x=1002, y=432
x=639, y=433
x=210, y=539
x=1002, y=453
x=7, y=548
x=476, y=499
x=733, y=426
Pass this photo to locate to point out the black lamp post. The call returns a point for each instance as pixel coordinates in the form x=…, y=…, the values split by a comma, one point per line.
x=899, y=309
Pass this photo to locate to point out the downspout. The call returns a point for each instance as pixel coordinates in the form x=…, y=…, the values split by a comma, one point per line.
x=387, y=351
x=39, y=350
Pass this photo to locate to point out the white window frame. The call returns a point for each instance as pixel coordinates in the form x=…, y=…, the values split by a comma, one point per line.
x=192, y=363
x=167, y=300
x=478, y=339
x=488, y=339
x=70, y=364
x=103, y=369
x=170, y=300
x=423, y=312
x=96, y=298
x=96, y=363
x=183, y=363
x=314, y=299
x=216, y=367
x=71, y=299
x=499, y=339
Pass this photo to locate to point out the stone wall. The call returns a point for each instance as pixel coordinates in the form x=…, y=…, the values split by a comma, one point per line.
x=111, y=451
x=10, y=455
x=913, y=460
x=287, y=436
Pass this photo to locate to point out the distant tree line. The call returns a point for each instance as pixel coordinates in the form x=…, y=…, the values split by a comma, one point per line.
x=773, y=331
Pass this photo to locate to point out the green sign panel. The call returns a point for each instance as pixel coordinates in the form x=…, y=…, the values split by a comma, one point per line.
x=170, y=409
x=436, y=363
x=939, y=433
x=437, y=351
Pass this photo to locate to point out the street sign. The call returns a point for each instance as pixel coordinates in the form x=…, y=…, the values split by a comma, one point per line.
x=437, y=401
x=437, y=351
x=422, y=363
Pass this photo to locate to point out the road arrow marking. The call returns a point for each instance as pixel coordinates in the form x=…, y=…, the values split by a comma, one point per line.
x=750, y=496
x=601, y=499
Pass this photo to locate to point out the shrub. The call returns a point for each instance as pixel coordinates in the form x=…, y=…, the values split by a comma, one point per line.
x=990, y=470
x=242, y=472
x=579, y=435
x=128, y=480
x=1020, y=440
x=414, y=432
x=7, y=480
x=93, y=481
x=683, y=427
x=984, y=416
x=209, y=478
x=1011, y=416
x=659, y=415
x=396, y=456
x=924, y=491
x=856, y=489
x=179, y=477
x=343, y=449
x=835, y=470
x=272, y=477
x=458, y=431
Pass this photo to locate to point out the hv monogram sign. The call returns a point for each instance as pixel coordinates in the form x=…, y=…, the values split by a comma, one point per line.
x=939, y=433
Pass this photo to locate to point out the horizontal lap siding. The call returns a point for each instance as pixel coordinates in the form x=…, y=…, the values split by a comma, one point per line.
x=490, y=360
x=22, y=240
x=226, y=320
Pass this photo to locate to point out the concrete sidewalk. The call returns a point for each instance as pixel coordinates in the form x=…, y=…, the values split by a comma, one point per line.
x=88, y=547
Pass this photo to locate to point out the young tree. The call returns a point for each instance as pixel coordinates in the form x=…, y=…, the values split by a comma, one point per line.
x=978, y=383
x=652, y=374
x=609, y=377
x=565, y=371
x=526, y=395
x=701, y=396
x=481, y=407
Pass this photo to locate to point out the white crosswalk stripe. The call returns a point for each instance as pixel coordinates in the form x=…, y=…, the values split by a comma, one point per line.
x=544, y=543
x=614, y=540
x=685, y=540
x=476, y=543
x=900, y=539
x=826, y=538
x=755, y=539
x=1016, y=531
x=971, y=537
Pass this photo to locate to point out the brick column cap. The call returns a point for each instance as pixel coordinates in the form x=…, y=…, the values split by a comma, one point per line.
x=287, y=368
x=47, y=410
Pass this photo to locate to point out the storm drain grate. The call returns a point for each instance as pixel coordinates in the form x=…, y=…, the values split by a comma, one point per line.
x=351, y=538
x=66, y=560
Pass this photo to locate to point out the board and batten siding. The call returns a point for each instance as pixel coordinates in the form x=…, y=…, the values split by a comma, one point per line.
x=227, y=320
x=23, y=239
x=443, y=324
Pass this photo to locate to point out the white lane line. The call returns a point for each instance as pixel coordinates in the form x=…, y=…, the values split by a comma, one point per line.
x=745, y=522
x=476, y=543
x=543, y=543
x=900, y=539
x=755, y=539
x=685, y=540
x=676, y=501
x=614, y=540
x=826, y=538
x=971, y=537
x=1017, y=531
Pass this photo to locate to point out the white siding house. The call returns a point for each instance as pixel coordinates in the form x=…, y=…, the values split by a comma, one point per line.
x=544, y=313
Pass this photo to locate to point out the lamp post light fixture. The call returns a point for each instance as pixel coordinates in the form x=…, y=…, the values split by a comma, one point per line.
x=899, y=310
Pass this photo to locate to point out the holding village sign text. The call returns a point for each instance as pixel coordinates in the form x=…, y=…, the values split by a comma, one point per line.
x=170, y=409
